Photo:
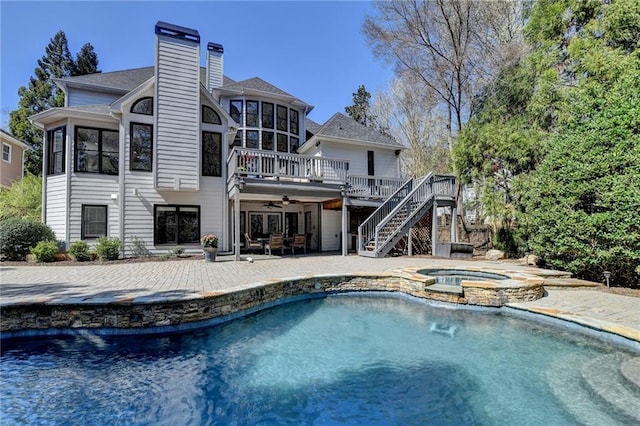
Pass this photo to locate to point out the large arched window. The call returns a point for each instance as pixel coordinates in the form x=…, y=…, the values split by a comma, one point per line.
x=210, y=116
x=143, y=106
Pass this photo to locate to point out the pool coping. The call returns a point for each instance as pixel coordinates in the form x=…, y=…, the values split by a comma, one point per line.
x=413, y=283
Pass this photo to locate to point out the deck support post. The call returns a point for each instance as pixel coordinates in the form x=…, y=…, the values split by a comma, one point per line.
x=345, y=239
x=434, y=228
x=236, y=224
x=454, y=228
x=410, y=242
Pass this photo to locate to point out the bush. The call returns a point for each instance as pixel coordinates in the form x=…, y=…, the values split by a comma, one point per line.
x=18, y=236
x=139, y=248
x=80, y=251
x=108, y=248
x=44, y=251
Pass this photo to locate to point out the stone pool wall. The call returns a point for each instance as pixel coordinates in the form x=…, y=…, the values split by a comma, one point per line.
x=48, y=318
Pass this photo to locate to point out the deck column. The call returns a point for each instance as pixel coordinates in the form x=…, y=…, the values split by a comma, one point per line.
x=236, y=224
x=345, y=239
x=454, y=228
x=434, y=228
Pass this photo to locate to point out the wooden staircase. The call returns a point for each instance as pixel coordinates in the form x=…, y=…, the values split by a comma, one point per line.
x=399, y=213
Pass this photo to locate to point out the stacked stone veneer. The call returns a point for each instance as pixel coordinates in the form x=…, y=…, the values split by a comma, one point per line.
x=161, y=315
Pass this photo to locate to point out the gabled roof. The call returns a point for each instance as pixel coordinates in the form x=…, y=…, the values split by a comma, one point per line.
x=10, y=138
x=343, y=127
x=124, y=81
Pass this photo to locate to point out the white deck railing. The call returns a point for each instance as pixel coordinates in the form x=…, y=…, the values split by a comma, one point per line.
x=361, y=186
x=281, y=165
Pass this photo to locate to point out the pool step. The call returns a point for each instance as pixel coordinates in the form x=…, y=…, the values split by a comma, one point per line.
x=445, y=288
x=630, y=370
x=566, y=384
x=605, y=379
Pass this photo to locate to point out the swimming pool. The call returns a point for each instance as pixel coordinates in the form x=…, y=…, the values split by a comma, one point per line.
x=348, y=359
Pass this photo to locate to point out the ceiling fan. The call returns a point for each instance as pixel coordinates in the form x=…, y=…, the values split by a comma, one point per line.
x=272, y=205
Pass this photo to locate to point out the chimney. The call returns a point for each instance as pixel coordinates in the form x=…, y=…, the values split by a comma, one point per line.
x=215, y=66
x=177, y=109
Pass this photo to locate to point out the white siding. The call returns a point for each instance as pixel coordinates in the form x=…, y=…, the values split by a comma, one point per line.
x=331, y=229
x=214, y=69
x=56, y=210
x=177, y=114
x=385, y=161
x=89, y=97
x=93, y=189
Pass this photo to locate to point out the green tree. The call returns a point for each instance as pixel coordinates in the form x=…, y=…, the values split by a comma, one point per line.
x=86, y=61
x=23, y=199
x=42, y=93
x=361, y=108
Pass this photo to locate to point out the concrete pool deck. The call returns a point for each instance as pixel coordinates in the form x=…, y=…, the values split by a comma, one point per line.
x=571, y=300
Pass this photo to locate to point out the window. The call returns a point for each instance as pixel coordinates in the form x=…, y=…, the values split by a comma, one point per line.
x=211, y=154
x=370, y=164
x=235, y=109
x=295, y=143
x=143, y=106
x=97, y=150
x=6, y=152
x=210, y=116
x=176, y=224
x=237, y=141
x=252, y=113
x=141, y=147
x=252, y=139
x=282, y=118
x=283, y=143
x=56, y=142
x=267, y=141
x=267, y=115
x=293, y=121
x=94, y=221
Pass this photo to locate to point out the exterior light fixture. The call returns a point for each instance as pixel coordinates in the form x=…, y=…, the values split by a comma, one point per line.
x=285, y=201
x=607, y=275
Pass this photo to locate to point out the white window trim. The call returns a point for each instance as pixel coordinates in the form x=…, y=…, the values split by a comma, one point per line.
x=9, y=146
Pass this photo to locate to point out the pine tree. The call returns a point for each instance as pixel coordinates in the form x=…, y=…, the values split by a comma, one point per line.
x=360, y=110
x=86, y=61
x=42, y=93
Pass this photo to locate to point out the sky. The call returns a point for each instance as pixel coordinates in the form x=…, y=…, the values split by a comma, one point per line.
x=314, y=50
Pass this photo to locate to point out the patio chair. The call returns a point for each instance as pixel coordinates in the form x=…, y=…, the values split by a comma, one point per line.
x=252, y=245
x=275, y=242
x=299, y=242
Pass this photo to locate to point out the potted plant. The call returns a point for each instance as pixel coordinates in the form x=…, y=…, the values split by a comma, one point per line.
x=209, y=247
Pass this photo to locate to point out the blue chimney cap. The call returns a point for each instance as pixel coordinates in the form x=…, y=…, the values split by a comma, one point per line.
x=215, y=47
x=176, y=31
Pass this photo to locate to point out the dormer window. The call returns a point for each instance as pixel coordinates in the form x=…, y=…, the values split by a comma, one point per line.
x=143, y=106
x=210, y=116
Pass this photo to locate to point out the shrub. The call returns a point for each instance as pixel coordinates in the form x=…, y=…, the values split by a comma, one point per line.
x=80, y=251
x=44, y=251
x=139, y=248
x=18, y=236
x=108, y=248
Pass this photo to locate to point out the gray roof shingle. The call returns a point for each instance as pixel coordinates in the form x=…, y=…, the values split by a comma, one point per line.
x=342, y=126
x=127, y=80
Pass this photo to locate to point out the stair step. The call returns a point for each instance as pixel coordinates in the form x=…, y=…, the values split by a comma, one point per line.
x=604, y=377
x=563, y=377
x=630, y=370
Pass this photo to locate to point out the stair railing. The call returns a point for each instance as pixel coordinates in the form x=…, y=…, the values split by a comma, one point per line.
x=366, y=230
x=428, y=187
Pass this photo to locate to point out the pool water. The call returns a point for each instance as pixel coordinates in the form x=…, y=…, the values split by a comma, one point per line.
x=337, y=360
x=455, y=277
